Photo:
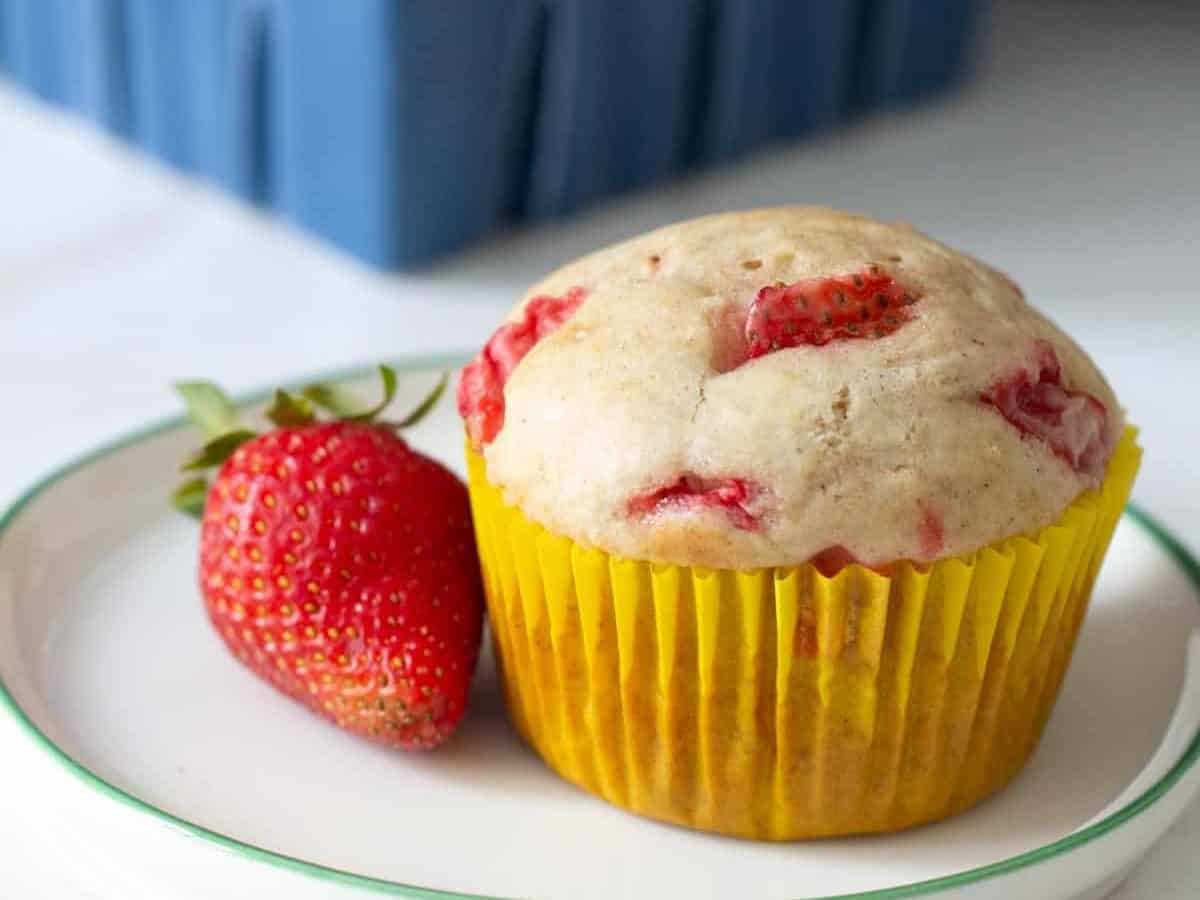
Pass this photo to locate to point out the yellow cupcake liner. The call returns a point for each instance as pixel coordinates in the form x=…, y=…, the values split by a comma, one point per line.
x=779, y=703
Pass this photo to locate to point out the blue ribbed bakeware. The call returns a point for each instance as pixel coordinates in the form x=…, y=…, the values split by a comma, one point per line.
x=404, y=129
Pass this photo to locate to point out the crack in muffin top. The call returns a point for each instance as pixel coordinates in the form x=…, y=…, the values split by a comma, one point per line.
x=768, y=387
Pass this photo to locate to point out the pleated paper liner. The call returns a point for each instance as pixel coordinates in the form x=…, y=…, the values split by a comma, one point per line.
x=778, y=703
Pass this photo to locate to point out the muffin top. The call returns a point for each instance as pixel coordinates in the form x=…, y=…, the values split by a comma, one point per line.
x=782, y=385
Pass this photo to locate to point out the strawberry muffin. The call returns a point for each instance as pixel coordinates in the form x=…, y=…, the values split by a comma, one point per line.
x=788, y=521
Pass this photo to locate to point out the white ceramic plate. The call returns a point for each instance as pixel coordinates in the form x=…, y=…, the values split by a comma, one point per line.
x=106, y=657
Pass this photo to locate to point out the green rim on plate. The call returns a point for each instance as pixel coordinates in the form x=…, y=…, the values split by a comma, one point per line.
x=1180, y=554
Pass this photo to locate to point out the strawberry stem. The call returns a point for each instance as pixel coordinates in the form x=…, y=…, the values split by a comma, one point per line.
x=290, y=410
x=344, y=405
x=332, y=398
x=423, y=408
x=388, y=375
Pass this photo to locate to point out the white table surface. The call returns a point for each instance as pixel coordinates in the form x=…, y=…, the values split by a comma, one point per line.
x=1071, y=161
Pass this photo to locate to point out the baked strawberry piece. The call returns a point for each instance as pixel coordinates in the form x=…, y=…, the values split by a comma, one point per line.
x=1072, y=423
x=481, y=386
x=814, y=312
x=737, y=498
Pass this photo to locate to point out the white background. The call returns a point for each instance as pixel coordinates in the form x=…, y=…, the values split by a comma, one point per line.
x=1072, y=161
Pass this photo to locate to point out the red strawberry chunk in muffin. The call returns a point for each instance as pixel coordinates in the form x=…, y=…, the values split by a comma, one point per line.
x=931, y=533
x=736, y=497
x=814, y=312
x=832, y=560
x=1072, y=423
x=481, y=387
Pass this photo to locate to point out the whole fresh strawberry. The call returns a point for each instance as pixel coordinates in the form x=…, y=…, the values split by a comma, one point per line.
x=337, y=562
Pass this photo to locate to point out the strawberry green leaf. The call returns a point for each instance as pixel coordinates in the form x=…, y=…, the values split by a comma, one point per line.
x=342, y=403
x=189, y=497
x=208, y=407
x=332, y=398
x=423, y=408
x=290, y=410
x=388, y=375
x=217, y=450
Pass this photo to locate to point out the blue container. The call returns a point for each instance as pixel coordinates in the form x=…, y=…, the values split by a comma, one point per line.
x=5, y=41
x=403, y=129
x=780, y=69
x=69, y=52
x=618, y=98
x=18, y=32
x=910, y=49
x=181, y=83
x=408, y=140
x=103, y=63
x=44, y=47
